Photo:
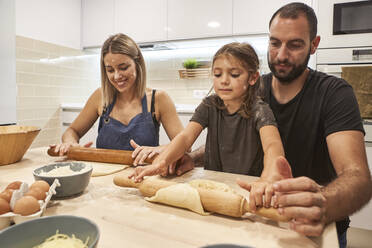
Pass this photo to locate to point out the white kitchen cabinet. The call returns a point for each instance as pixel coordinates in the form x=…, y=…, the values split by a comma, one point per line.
x=199, y=19
x=185, y=118
x=56, y=21
x=7, y=63
x=69, y=114
x=97, y=22
x=363, y=218
x=253, y=17
x=142, y=20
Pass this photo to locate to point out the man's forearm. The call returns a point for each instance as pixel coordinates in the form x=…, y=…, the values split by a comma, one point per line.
x=344, y=195
x=197, y=156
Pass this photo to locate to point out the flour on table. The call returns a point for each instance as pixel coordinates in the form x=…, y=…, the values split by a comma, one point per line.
x=103, y=169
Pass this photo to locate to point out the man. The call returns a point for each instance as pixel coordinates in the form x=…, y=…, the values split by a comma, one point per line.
x=320, y=126
x=321, y=130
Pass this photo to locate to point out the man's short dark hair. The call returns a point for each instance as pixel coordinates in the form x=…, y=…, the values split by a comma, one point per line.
x=294, y=10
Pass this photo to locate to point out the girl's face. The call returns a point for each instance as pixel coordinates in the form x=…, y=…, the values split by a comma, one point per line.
x=121, y=71
x=230, y=79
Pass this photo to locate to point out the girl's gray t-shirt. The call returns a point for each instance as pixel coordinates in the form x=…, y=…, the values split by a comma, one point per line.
x=233, y=142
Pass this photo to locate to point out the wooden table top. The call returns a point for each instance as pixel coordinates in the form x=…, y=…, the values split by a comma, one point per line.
x=124, y=217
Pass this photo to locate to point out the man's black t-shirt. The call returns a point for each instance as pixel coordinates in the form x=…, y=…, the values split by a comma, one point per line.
x=325, y=105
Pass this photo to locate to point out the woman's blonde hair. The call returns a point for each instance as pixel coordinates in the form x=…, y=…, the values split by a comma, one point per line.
x=248, y=58
x=122, y=44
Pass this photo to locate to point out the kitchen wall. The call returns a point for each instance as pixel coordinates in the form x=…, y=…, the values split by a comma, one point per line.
x=162, y=73
x=46, y=76
x=163, y=65
x=49, y=75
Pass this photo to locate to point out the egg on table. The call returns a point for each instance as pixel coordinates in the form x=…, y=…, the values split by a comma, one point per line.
x=44, y=186
x=4, y=206
x=7, y=194
x=26, y=205
x=14, y=185
x=38, y=193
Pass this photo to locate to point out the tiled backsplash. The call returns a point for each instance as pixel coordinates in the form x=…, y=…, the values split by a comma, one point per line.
x=49, y=75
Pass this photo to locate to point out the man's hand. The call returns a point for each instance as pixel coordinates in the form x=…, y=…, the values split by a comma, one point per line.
x=302, y=200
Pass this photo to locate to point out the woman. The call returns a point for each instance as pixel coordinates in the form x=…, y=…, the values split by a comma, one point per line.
x=130, y=114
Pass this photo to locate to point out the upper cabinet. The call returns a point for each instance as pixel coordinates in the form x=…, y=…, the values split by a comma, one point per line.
x=198, y=19
x=162, y=20
x=97, y=21
x=142, y=20
x=253, y=17
x=56, y=22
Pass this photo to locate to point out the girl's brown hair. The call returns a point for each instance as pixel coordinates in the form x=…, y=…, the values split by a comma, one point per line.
x=122, y=44
x=248, y=58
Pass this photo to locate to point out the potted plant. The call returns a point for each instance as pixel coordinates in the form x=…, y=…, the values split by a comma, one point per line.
x=190, y=64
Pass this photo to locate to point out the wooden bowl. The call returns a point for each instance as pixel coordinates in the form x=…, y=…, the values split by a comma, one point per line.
x=14, y=142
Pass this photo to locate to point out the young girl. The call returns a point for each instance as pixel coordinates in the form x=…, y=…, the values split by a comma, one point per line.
x=129, y=113
x=242, y=132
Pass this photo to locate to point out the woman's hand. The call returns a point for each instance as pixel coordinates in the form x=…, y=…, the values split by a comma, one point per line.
x=62, y=149
x=140, y=153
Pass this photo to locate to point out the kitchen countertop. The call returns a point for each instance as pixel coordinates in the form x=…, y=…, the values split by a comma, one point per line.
x=125, y=217
x=180, y=108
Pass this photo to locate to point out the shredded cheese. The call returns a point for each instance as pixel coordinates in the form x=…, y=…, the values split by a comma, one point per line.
x=60, y=240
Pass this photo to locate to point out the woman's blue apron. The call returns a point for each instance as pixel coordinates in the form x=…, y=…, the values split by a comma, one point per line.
x=112, y=134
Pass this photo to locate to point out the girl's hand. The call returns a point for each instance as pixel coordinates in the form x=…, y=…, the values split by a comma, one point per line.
x=140, y=153
x=156, y=168
x=62, y=149
x=261, y=193
x=183, y=165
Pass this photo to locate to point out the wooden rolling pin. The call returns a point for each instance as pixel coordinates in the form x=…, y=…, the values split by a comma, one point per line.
x=225, y=203
x=99, y=155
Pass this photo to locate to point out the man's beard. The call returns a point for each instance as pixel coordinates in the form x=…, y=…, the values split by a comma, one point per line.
x=293, y=74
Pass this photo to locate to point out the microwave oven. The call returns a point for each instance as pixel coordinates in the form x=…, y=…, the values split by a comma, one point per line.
x=344, y=23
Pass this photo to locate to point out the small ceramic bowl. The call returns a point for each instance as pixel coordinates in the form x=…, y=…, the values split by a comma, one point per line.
x=74, y=179
x=36, y=231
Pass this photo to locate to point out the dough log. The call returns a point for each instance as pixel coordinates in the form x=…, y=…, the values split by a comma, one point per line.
x=217, y=200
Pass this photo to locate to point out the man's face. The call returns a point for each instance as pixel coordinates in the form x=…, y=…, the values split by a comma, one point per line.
x=289, y=48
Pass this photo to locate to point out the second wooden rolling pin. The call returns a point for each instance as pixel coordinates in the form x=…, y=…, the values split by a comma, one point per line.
x=99, y=155
x=221, y=202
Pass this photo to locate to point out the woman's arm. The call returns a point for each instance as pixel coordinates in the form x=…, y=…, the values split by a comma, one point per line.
x=83, y=122
x=174, y=151
x=166, y=114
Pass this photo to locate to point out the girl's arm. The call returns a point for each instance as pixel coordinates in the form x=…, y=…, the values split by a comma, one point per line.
x=83, y=122
x=273, y=149
x=261, y=191
x=174, y=151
